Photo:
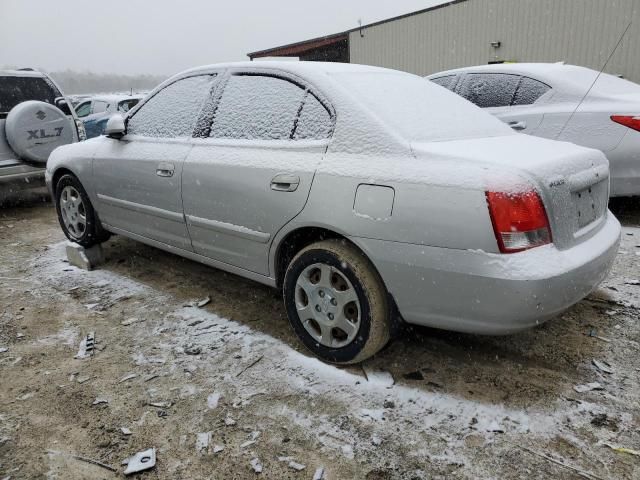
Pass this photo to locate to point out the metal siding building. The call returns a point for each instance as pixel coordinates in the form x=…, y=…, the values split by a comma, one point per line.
x=460, y=33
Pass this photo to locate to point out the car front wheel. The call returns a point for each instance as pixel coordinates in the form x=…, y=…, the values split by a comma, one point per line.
x=76, y=214
x=336, y=302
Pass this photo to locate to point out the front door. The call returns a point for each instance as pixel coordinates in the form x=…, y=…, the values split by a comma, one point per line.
x=253, y=173
x=139, y=188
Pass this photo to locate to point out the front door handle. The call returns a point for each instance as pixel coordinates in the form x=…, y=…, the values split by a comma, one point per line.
x=285, y=183
x=165, y=169
x=518, y=125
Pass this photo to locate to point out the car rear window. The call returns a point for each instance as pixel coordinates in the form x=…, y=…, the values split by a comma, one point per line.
x=420, y=110
x=489, y=89
x=15, y=90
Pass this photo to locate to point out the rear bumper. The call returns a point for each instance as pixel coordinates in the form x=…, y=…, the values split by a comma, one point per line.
x=479, y=292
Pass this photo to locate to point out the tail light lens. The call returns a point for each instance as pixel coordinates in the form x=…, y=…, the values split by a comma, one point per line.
x=631, y=121
x=519, y=220
x=82, y=133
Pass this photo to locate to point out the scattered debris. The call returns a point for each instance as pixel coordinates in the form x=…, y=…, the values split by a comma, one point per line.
x=603, y=420
x=212, y=400
x=128, y=377
x=602, y=366
x=319, y=474
x=100, y=401
x=296, y=466
x=250, y=365
x=379, y=377
x=192, y=349
x=151, y=377
x=141, y=461
x=632, y=282
x=417, y=375
x=376, y=441
x=588, y=387
x=82, y=459
x=495, y=427
x=256, y=465
x=83, y=379
x=389, y=404
x=229, y=422
x=202, y=441
x=628, y=451
x=131, y=321
x=582, y=473
x=248, y=443
x=125, y=431
x=217, y=448
x=203, y=302
x=3, y=349
x=87, y=346
x=160, y=404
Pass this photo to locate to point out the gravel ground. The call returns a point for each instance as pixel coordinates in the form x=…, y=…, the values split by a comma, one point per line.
x=431, y=405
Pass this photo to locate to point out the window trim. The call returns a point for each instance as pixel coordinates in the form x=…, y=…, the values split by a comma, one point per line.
x=205, y=123
x=522, y=77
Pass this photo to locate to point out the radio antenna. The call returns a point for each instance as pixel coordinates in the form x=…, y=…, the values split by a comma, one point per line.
x=599, y=74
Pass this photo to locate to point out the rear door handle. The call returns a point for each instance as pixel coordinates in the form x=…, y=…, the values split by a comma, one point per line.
x=165, y=169
x=285, y=183
x=518, y=125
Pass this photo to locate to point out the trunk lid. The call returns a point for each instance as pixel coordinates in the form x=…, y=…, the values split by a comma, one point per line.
x=572, y=181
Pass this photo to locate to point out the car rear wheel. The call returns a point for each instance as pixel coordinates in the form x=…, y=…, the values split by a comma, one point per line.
x=336, y=302
x=76, y=214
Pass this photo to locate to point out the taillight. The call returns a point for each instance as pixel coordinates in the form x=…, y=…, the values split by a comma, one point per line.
x=631, y=121
x=519, y=220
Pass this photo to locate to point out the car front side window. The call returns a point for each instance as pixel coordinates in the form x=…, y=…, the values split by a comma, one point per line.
x=99, y=106
x=446, y=82
x=173, y=111
x=489, y=89
x=83, y=109
x=257, y=107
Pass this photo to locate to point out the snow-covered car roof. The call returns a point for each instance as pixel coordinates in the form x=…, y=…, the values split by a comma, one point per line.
x=21, y=73
x=570, y=79
x=381, y=107
x=114, y=98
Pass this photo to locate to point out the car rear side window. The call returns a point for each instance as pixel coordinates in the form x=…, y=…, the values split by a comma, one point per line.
x=173, y=111
x=529, y=91
x=257, y=107
x=314, y=122
x=446, y=82
x=15, y=90
x=99, y=106
x=489, y=89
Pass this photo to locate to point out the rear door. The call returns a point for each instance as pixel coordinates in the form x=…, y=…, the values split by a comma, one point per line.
x=253, y=172
x=137, y=178
x=509, y=97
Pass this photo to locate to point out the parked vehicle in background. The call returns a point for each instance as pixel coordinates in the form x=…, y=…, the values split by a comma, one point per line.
x=35, y=118
x=96, y=111
x=359, y=191
x=544, y=100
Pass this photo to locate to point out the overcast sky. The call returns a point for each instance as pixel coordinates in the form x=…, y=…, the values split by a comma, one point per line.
x=166, y=36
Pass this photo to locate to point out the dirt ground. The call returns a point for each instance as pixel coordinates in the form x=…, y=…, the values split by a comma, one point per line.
x=457, y=406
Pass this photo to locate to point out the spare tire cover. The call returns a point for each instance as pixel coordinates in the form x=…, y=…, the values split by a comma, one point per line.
x=34, y=129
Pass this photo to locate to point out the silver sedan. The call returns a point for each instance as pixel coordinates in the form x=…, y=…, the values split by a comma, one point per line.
x=367, y=195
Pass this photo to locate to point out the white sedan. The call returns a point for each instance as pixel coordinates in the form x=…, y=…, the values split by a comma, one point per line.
x=544, y=100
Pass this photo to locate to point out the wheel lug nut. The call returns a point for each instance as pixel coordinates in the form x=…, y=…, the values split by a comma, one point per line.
x=330, y=316
x=317, y=308
x=334, y=302
x=321, y=293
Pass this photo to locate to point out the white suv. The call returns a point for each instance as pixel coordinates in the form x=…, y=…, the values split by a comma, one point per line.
x=35, y=118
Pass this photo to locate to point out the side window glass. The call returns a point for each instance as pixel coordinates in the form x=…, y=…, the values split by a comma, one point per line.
x=255, y=107
x=99, y=106
x=446, y=82
x=489, y=89
x=314, y=122
x=529, y=91
x=83, y=109
x=173, y=111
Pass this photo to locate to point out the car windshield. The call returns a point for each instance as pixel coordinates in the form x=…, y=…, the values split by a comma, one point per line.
x=15, y=90
x=418, y=109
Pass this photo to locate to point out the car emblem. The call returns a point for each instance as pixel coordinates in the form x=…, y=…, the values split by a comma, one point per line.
x=41, y=115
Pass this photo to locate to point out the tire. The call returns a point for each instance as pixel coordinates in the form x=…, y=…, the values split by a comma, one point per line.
x=333, y=279
x=76, y=215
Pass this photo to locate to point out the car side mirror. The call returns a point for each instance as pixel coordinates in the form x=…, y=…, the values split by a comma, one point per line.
x=63, y=105
x=116, y=127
